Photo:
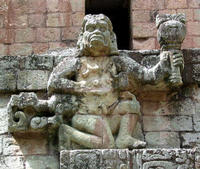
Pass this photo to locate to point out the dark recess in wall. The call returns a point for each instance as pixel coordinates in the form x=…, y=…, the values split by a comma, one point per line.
x=119, y=13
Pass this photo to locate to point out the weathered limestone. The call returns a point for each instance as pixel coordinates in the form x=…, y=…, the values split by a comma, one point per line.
x=124, y=159
x=162, y=139
x=41, y=162
x=92, y=100
x=95, y=159
x=171, y=33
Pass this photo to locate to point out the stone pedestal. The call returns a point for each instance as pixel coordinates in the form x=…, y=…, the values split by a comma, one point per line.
x=125, y=159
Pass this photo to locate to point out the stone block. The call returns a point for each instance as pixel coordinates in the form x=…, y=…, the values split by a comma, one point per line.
x=174, y=4
x=148, y=43
x=196, y=41
x=141, y=16
x=77, y=5
x=7, y=80
x=3, y=50
x=11, y=147
x=10, y=36
x=190, y=140
x=39, y=48
x=169, y=123
x=21, y=49
x=59, y=20
x=35, y=62
x=188, y=42
x=24, y=35
x=1, y=145
x=193, y=28
x=36, y=20
x=184, y=107
x=124, y=159
x=59, y=6
x=48, y=34
x=191, y=56
x=77, y=18
x=3, y=35
x=4, y=100
x=141, y=30
x=194, y=4
x=94, y=159
x=41, y=162
x=70, y=33
x=25, y=146
x=18, y=21
x=163, y=158
x=196, y=14
x=154, y=108
x=18, y=6
x=37, y=6
x=14, y=162
x=196, y=72
x=148, y=4
x=9, y=62
x=4, y=120
x=196, y=118
x=32, y=80
x=162, y=140
x=2, y=21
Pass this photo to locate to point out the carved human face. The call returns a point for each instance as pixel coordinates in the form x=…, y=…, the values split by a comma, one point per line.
x=97, y=37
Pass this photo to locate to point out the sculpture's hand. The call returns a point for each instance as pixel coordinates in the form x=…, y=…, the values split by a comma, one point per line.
x=80, y=87
x=178, y=60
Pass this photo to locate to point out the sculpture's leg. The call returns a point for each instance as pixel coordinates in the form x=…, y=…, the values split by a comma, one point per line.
x=124, y=138
x=89, y=131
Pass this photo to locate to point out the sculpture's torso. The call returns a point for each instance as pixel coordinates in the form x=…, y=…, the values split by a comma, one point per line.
x=99, y=95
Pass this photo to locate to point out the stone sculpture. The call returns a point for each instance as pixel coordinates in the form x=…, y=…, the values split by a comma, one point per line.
x=92, y=101
x=171, y=33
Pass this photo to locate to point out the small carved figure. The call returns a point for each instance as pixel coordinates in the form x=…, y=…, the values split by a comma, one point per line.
x=92, y=95
x=171, y=33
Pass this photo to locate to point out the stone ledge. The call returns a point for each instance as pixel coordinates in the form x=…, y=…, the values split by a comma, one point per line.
x=125, y=159
x=13, y=66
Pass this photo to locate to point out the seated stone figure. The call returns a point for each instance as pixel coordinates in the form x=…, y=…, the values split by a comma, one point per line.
x=92, y=94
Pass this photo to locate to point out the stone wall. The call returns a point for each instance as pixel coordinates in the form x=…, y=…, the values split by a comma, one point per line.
x=143, y=21
x=34, y=26
x=169, y=119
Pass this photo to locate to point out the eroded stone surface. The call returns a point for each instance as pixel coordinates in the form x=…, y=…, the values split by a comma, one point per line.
x=92, y=95
x=32, y=80
x=14, y=162
x=95, y=159
x=41, y=162
x=191, y=140
x=124, y=159
x=167, y=123
x=162, y=140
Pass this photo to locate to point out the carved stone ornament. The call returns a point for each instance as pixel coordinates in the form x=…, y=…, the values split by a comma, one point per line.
x=91, y=96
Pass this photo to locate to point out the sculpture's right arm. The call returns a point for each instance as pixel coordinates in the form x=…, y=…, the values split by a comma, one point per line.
x=62, y=78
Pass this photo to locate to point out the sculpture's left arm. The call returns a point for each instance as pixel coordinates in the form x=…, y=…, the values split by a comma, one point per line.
x=163, y=69
x=139, y=73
